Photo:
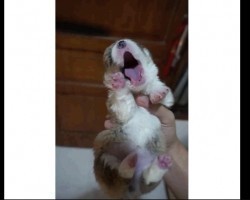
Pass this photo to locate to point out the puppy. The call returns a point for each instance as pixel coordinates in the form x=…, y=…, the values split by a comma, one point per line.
x=137, y=66
x=130, y=158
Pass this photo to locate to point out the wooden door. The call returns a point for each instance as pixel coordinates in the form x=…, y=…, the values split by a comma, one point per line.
x=84, y=28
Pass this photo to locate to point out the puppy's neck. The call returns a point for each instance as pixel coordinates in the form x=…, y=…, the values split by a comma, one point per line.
x=122, y=104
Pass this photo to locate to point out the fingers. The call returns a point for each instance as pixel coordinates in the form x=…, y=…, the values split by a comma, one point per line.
x=165, y=115
x=142, y=101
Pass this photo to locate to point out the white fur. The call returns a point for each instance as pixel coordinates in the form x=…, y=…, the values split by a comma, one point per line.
x=142, y=127
x=153, y=174
x=137, y=123
x=152, y=82
x=123, y=104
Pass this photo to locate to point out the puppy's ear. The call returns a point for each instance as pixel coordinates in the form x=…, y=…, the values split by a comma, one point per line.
x=107, y=58
x=146, y=51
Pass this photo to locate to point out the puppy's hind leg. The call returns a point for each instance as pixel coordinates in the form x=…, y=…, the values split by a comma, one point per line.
x=158, y=168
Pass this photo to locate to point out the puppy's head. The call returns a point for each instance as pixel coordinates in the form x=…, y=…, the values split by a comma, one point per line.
x=133, y=60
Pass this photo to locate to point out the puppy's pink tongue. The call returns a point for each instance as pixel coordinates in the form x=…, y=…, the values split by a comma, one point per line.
x=133, y=73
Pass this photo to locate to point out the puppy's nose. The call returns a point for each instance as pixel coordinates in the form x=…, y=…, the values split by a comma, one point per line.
x=121, y=44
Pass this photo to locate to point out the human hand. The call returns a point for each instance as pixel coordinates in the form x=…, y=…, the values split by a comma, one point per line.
x=165, y=116
x=177, y=177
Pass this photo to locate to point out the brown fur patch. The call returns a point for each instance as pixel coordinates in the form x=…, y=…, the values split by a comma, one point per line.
x=109, y=179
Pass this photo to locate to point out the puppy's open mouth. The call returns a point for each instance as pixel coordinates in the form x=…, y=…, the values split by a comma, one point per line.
x=132, y=69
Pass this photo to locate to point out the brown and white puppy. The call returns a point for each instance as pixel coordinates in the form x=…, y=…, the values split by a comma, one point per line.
x=130, y=158
x=137, y=66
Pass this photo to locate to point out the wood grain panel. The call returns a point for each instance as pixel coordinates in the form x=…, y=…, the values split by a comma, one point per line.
x=79, y=66
x=145, y=19
x=75, y=139
x=69, y=41
x=73, y=87
x=81, y=113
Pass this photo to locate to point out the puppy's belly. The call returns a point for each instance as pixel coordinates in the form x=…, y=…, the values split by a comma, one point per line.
x=142, y=127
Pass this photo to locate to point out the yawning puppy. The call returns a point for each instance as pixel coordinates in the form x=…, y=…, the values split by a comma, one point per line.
x=130, y=158
x=136, y=64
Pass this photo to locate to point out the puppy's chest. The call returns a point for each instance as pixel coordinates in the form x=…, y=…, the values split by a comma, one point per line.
x=142, y=128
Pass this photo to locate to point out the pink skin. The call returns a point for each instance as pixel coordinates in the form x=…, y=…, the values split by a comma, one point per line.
x=156, y=97
x=117, y=81
x=108, y=124
x=141, y=81
x=132, y=161
x=119, y=55
x=164, y=161
x=142, y=101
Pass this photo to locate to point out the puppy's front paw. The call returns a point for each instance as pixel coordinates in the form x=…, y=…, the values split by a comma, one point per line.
x=158, y=95
x=115, y=81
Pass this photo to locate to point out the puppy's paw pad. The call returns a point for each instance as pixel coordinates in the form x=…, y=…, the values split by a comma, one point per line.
x=117, y=76
x=164, y=161
x=156, y=97
x=117, y=80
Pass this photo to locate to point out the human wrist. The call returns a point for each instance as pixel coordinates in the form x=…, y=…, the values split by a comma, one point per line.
x=177, y=176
